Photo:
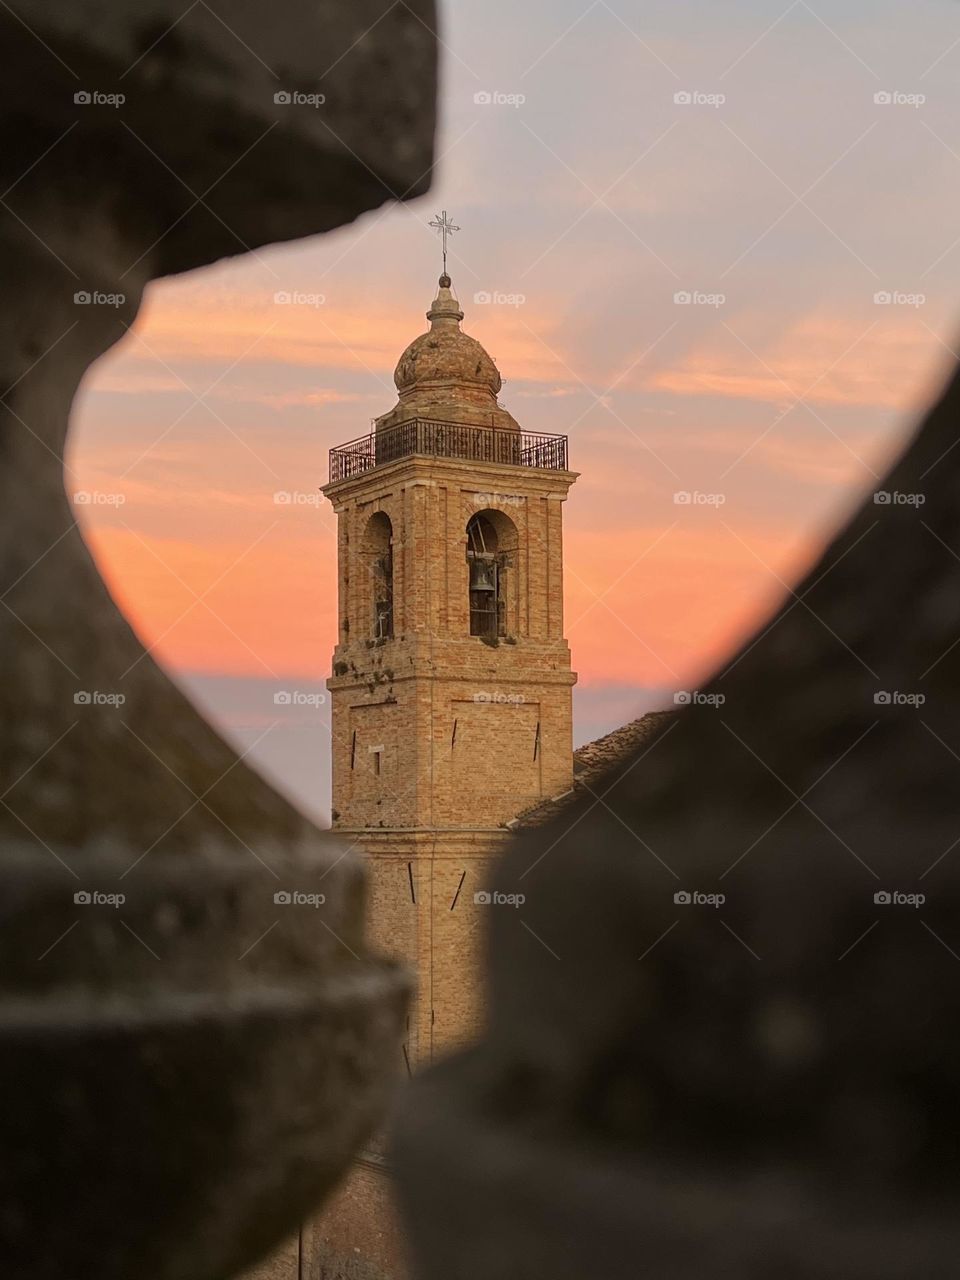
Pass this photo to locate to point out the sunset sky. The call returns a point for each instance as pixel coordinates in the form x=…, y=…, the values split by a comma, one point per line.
x=588, y=197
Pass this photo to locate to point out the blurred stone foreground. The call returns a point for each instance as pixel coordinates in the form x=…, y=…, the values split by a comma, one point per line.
x=723, y=1029
x=185, y=1075
x=763, y=1087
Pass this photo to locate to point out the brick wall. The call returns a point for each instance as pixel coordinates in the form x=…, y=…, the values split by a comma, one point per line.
x=439, y=739
x=435, y=727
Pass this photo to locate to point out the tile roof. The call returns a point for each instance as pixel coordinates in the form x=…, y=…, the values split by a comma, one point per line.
x=593, y=759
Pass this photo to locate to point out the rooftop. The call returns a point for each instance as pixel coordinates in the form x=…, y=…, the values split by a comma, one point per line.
x=447, y=406
x=594, y=759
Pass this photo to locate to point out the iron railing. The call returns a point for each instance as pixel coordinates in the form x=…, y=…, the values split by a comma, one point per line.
x=447, y=440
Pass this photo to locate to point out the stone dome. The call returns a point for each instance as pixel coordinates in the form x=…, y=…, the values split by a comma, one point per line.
x=445, y=355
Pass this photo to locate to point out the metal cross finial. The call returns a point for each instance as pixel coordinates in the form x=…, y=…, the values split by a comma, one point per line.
x=446, y=228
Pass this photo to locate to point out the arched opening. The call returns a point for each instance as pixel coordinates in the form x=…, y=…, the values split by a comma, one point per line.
x=491, y=541
x=377, y=550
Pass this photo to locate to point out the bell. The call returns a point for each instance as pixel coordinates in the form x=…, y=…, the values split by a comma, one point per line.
x=483, y=575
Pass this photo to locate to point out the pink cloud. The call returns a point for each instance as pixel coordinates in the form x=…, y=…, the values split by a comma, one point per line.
x=829, y=360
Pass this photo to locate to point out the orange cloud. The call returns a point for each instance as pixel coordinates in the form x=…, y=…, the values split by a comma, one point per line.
x=262, y=605
x=653, y=607
x=200, y=512
x=826, y=359
x=256, y=593
x=214, y=327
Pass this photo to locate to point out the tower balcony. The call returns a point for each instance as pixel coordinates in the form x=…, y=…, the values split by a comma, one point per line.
x=426, y=438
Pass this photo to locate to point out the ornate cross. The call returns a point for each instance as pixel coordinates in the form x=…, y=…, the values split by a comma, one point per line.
x=446, y=228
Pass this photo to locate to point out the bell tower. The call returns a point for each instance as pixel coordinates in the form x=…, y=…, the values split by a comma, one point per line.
x=451, y=688
x=451, y=684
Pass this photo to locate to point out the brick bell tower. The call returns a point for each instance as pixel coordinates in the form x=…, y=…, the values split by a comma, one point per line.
x=451, y=688
x=452, y=684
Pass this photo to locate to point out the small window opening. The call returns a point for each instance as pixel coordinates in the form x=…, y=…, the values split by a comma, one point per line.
x=378, y=552
x=383, y=596
x=487, y=614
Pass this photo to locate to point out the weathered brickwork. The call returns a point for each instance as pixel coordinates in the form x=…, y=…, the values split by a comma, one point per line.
x=359, y=1236
x=440, y=738
x=425, y=723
